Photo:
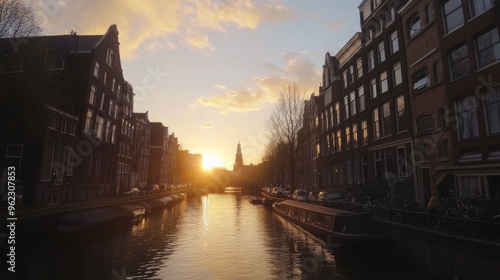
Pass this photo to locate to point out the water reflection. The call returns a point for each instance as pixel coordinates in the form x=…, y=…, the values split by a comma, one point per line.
x=218, y=236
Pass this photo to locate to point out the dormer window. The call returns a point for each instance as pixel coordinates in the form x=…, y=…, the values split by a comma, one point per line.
x=414, y=24
x=110, y=56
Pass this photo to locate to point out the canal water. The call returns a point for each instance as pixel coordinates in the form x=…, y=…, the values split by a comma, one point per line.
x=217, y=236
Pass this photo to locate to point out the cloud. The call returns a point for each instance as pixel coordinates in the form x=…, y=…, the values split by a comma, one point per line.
x=156, y=24
x=234, y=101
x=297, y=69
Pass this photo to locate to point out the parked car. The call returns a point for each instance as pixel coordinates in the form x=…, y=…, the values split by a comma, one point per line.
x=131, y=192
x=163, y=187
x=152, y=188
x=330, y=197
x=300, y=195
x=277, y=190
x=313, y=197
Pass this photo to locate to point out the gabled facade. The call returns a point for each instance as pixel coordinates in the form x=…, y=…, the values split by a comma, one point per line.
x=365, y=134
x=470, y=48
x=77, y=156
x=125, y=137
x=427, y=90
x=158, y=158
x=141, y=150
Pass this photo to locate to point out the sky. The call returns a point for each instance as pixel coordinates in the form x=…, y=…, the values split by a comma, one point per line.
x=210, y=69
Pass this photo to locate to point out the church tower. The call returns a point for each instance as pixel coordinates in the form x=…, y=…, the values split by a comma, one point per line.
x=238, y=162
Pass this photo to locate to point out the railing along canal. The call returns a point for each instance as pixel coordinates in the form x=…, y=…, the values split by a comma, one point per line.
x=486, y=230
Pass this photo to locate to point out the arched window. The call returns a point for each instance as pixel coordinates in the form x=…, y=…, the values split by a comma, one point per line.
x=414, y=24
x=421, y=79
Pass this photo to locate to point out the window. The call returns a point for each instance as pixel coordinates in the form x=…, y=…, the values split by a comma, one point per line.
x=352, y=97
x=376, y=124
x=332, y=140
x=384, y=86
x=478, y=7
x=466, y=110
x=488, y=47
x=92, y=95
x=373, y=83
x=348, y=137
x=401, y=116
x=107, y=133
x=354, y=130
x=346, y=107
x=361, y=98
x=110, y=56
x=396, y=73
x=469, y=186
x=339, y=140
x=105, y=78
x=337, y=113
x=99, y=127
x=387, y=124
x=364, y=169
x=371, y=60
x=359, y=67
x=381, y=52
x=52, y=199
x=459, y=62
x=113, y=83
x=331, y=117
x=348, y=171
x=110, y=107
x=364, y=133
x=492, y=108
x=344, y=75
x=402, y=162
x=414, y=24
x=425, y=123
x=96, y=70
x=71, y=127
x=429, y=14
x=390, y=169
x=118, y=90
x=453, y=15
x=381, y=23
x=351, y=74
x=88, y=122
x=394, y=42
x=355, y=167
x=101, y=104
x=420, y=80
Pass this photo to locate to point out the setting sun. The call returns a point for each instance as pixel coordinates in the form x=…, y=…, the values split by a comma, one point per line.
x=210, y=162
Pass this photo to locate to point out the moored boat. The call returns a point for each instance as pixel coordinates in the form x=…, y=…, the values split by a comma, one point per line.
x=255, y=200
x=82, y=220
x=338, y=227
x=134, y=213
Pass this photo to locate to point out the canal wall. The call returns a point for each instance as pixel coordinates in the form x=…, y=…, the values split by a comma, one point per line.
x=443, y=255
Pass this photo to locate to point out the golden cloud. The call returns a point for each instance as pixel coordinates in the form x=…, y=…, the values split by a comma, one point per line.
x=298, y=69
x=155, y=24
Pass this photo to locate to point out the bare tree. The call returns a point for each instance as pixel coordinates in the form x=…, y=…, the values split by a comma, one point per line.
x=17, y=19
x=284, y=125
